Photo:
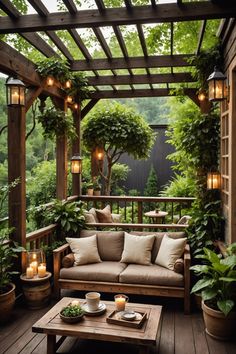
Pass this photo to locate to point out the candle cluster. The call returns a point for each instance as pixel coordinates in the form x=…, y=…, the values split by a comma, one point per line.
x=35, y=269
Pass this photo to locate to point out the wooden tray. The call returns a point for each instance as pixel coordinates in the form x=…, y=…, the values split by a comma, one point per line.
x=115, y=318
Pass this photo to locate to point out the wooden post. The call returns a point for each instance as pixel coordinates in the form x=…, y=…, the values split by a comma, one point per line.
x=61, y=158
x=16, y=169
x=205, y=106
x=76, y=150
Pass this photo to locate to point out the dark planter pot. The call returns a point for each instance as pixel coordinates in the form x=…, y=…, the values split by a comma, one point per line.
x=217, y=324
x=7, y=302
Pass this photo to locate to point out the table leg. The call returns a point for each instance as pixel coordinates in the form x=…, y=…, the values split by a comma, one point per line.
x=51, y=344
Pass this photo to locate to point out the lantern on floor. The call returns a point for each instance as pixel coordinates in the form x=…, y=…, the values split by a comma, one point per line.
x=217, y=86
x=15, y=92
x=213, y=180
x=36, y=264
x=76, y=164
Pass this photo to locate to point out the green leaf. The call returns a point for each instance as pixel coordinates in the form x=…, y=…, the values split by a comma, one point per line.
x=201, y=284
x=211, y=256
x=208, y=293
x=225, y=306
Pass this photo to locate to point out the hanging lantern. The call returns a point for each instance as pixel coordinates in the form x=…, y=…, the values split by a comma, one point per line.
x=201, y=95
x=213, y=180
x=217, y=86
x=99, y=153
x=69, y=99
x=68, y=84
x=76, y=164
x=50, y=81
x=15, y=92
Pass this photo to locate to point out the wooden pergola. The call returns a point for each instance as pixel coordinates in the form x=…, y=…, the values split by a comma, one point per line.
x=27, y=26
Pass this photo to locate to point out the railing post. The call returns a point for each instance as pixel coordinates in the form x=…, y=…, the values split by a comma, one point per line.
x=140, y=212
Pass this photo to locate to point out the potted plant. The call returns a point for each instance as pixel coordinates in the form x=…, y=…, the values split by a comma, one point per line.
x=72, y=313
x=96, y=188
x=217, y=286
x=89, y=188
x=8, y=251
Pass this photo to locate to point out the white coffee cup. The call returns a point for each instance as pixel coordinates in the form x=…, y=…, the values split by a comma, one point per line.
x=93, y=300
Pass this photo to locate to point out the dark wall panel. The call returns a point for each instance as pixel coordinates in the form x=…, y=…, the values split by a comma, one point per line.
x=140, y=169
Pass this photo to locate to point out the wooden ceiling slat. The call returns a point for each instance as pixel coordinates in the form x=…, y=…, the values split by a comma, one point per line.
x=122, y=45
x=171, y=41
x=140, y=79
x=102, y=41
x=36, y=41
x=100, y=5
x=169, y=12
x=142, y=39
x=88, y=107
x=201, y=35
x=139, y=93
x=70, y=6
x=131, y=63
x=128, y=4
x=9, y=9
x=60, y=45
x=39, y=7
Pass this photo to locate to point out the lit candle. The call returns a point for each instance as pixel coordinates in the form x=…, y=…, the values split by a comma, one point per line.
x=15, y=97
x=41, y=271
x=75, y=303
x=29, y=272
x=34, y=265
x=100, y=156
x=120, y=303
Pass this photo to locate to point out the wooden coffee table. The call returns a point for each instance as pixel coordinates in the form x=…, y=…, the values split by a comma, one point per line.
x=96, y=327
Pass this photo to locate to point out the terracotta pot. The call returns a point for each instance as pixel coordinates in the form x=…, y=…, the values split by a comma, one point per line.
x=96, y=192
x=7, y=301
x=90, y=191
x=217, y=325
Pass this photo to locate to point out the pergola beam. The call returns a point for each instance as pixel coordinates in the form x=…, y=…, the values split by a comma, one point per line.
x=139, y=93
x=140, y=79
x=132, y=62
x=118, y=16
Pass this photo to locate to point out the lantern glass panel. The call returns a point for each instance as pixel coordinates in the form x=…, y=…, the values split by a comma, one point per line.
x=76, y=166
x=213, y=180
x=35, y=258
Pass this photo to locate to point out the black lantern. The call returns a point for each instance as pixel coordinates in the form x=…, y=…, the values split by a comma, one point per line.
x=15, y=92
x=217, y=86
x=76, y=164
x=213, y=180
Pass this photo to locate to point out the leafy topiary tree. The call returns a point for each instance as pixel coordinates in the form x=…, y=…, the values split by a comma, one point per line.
x=117, y=129
x=151, y=189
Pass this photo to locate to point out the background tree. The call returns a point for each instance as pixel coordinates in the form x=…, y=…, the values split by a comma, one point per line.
x=151, y=189
x=117, y=129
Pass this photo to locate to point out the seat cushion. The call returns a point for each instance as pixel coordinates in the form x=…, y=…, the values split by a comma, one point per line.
x=150, y=275
x=110, y=243
x=105, y=271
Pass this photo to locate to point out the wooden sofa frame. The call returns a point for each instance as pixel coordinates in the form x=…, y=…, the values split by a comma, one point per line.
x=166, y=291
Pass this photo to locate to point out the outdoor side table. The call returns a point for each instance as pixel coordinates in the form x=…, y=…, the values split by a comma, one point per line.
x=37, y=291
x=157, y=218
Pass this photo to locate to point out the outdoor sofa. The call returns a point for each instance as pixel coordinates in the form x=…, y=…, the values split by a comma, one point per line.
x=109, y=274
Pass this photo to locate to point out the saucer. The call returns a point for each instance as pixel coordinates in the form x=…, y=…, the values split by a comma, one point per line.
x=101, y=309
x=128, y=315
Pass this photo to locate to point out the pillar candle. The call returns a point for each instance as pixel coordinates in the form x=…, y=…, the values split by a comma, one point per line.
x=41, y=271
x=34, y=265
x=29, y=273
x=75, y=303
x=120, y=303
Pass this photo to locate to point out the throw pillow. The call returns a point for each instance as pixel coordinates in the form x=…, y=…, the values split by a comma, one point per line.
x=179, y=266
x=137, y=249
x=85, y=250
x=116, y=217
x=170, y=250
x=93, y=212
x=89, y=217
x=68, y=260
x=104, y=215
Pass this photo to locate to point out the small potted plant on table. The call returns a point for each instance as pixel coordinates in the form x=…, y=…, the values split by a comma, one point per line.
x=72, y=313
x=218, y=290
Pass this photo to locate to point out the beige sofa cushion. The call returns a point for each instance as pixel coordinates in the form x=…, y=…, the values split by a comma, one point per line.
x=150, y=275
x=110, y=243
x=137, y=249
x=85, y=250
x=105, y=271
x=158, y=239
x=89, y=217
x=170, y=250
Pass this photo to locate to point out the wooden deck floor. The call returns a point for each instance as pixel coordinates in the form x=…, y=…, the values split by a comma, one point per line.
x=179, y=334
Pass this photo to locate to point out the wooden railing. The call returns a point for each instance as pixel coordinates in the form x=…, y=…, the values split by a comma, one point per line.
x=134, y=208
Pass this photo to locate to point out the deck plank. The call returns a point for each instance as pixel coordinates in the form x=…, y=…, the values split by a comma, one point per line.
x=184, y=341
x=166, y=345
x=199, y=334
